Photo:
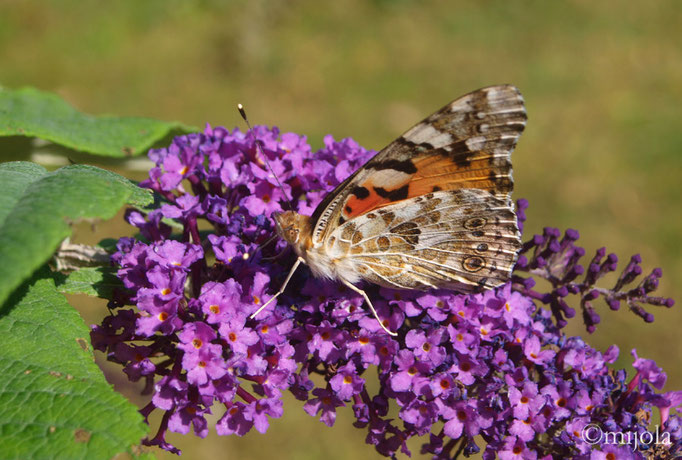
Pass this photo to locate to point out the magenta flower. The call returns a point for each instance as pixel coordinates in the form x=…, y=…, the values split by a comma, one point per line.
x=347, y=382
x=515, y=449
x=195, y=336
x=532, y=351
x=260, y=410
x=326, y=403
x=170, y=393
x=465, y=417
x=181, y=420
x=137, y=358
x=647, y=369
x=186, y=207
x=526, y=401
x=426, y=348
x=234, y=421
x=237, y=336
x=220, y=301
x=409, y=371
x=204, y=363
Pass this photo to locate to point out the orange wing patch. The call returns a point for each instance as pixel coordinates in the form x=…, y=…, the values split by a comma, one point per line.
x=368, y=197
x=424, y=174
x=386, y=183
x=482, y=171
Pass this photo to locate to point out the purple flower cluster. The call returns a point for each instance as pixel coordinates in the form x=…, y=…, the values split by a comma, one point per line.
x=557, y=259
x=492, y=367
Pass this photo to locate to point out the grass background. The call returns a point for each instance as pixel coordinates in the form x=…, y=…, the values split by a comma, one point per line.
x=602, y=151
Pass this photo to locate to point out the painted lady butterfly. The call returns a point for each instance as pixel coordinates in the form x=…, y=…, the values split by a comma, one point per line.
x=431, y=210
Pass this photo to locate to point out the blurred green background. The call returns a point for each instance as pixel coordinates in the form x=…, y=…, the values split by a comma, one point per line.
x=602, y=151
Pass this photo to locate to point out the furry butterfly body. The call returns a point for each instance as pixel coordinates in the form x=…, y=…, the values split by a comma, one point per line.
x=433, y=209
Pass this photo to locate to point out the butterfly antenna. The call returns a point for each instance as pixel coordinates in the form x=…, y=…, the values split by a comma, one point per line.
x=259, y=148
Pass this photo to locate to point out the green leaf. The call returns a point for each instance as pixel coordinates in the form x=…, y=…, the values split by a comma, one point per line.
x=36, y=208
x=54, y=400
x=92, y=281
x=30, y=112
x=16, y=177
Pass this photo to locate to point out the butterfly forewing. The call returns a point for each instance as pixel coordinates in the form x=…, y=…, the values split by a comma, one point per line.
x=465, y=145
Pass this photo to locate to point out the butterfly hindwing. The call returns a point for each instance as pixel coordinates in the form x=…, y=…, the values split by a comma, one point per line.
x=465, y=145
x=460, y=239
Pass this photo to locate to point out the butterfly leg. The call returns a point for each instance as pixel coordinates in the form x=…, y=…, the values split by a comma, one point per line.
x=284, y=285
x=369, y=302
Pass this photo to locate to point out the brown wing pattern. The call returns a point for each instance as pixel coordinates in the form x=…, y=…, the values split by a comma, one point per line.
x=463, y=239
x=465, y=145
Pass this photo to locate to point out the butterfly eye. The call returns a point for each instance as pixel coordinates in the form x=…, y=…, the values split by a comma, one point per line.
x=292, y=233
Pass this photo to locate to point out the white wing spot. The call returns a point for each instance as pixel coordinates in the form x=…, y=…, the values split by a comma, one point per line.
x=494, y=92
x=475, y=143
x=426, y=133
x=388, y=178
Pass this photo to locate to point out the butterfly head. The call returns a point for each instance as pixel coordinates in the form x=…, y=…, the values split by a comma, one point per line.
x=294, y=228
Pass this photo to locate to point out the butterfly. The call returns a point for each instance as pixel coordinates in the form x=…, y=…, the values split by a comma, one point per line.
x=433, y=209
